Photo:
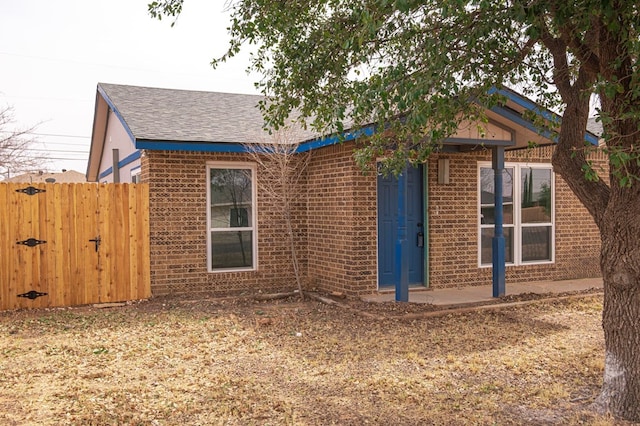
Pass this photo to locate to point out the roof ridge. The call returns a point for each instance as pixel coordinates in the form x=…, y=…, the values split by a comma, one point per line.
x=106, y=85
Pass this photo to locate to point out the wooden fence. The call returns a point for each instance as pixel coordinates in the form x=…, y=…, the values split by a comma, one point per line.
x=73, y=244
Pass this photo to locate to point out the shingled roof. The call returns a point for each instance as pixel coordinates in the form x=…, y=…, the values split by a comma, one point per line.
x=594, y=126
x=155, y=114
x=171, y=119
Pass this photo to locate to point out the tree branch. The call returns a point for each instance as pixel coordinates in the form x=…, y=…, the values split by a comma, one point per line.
x=585, y=51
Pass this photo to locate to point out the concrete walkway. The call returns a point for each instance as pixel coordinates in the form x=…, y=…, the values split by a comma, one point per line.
x=467, y=295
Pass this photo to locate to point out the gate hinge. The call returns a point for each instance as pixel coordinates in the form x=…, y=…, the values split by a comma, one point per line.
x=31, y=242
x=30, y=190
x=32, y=294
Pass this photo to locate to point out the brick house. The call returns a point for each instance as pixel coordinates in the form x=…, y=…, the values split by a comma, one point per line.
x=190, y=148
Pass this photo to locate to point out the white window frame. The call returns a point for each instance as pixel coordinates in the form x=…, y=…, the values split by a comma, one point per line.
x=254, y=215
x=517, y=220
x=135, y=174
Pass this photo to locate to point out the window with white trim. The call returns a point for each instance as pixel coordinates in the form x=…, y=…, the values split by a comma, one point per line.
x=135, y=175
x=528, y=213
x=231, y=216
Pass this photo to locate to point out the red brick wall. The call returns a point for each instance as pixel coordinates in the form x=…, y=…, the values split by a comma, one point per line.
x=342, y=223
x=335, y=227
x=178, y=231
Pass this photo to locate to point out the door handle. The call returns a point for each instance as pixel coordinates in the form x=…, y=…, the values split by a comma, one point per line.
x=420, y=242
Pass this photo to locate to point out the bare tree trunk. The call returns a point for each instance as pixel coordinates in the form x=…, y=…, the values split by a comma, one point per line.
x=282, y=172
x=620, y=262
x=618, y=218
x=294, y=254
x=615, y=209
x=616, y=212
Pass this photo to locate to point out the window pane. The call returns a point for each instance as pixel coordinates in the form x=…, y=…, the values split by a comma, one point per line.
x=487, y=214
x=239, y=218
x=487, y=192
x=486, y=255
x=231, y=249
x=536, y=243
x=230, y=195
x=535, y=185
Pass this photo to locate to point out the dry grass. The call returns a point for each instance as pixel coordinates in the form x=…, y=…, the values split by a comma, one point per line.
x=169, y=362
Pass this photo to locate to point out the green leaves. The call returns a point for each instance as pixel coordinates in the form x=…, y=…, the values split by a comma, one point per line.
x=415, y=68
x=374, y=59
x=158, y=9
x=624, y=164
x=590, y=173
x=402, y=5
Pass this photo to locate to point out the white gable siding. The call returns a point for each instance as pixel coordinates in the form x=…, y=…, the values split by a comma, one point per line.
x=116, y=137
x=489, y=131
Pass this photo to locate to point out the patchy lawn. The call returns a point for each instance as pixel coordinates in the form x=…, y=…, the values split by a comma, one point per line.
x=170, y=362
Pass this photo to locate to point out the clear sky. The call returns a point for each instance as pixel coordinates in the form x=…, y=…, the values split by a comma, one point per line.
x=54, y=53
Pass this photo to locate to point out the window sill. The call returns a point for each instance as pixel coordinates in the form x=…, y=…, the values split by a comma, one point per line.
x=511, y=265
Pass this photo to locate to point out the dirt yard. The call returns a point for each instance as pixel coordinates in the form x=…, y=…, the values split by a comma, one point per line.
x=182, y=362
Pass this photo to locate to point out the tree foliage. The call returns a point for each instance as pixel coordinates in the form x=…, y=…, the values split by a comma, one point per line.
x=416, y=68
x=343, y=63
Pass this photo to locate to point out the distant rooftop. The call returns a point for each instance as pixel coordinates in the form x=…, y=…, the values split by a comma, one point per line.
x=66, y=176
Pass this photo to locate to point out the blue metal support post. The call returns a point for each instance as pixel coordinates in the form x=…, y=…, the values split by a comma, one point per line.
x=402, y=261
x=498, y=243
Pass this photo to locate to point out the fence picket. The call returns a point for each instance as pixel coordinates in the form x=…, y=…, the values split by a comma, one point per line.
x=6, y=248
x=68, y=267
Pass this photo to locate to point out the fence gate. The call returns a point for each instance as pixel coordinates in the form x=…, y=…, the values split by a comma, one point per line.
x=73, y=244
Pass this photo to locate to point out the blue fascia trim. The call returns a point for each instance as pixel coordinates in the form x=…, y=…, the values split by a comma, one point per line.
x=591, y=138
x=129, y=159
x=477, y=142
x=334, y=139
x=232, y=147
x=517, y=118
x=544, y=113
x=527, y=104
x=117, y=113
x=105, y=173
x=190, y=146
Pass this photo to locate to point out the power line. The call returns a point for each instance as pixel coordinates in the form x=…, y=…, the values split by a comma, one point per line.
x=55, y=150
x=66, y=158
x=61, y=158
x=84, y=160
x=46, y=157
x=60, y=136
x=55, y=135
x=39, y=142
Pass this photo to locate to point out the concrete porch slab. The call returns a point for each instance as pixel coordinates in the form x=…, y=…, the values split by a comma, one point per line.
x=476, y=294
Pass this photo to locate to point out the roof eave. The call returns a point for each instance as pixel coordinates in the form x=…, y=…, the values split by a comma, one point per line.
x=99, y=131
x=521, y=102
x=98, y=134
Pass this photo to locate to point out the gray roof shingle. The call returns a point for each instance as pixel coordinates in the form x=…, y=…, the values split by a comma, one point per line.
x=186, y=115
x=594, y=126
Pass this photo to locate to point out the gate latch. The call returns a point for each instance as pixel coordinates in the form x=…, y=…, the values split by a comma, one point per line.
x=96, y=240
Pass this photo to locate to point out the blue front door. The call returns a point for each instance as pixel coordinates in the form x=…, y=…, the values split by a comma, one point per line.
x=388, y=228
